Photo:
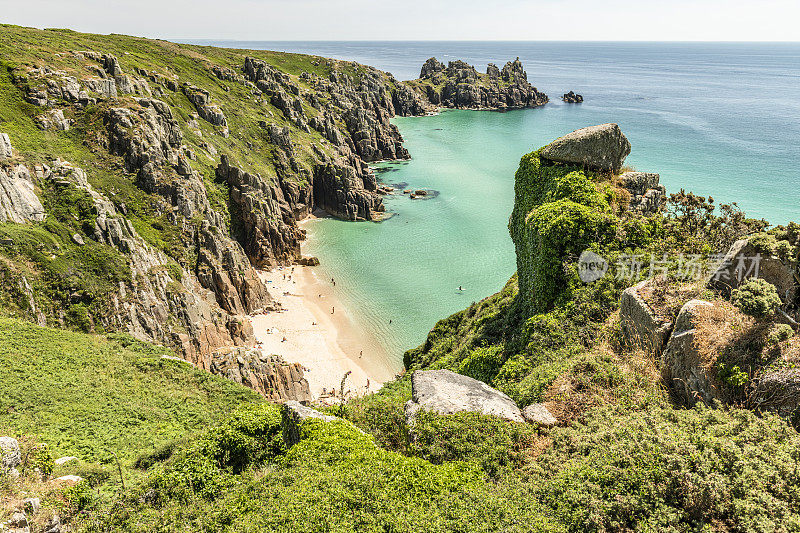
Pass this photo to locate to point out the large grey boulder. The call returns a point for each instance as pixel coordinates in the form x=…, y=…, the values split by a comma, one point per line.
x=682, y=363
x=602, y=147
x=641, y=326
x=10, y=456
x=444, y=392
x=293, y=415
x=743, y=261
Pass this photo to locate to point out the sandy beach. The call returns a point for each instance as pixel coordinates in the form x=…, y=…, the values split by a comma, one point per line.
x=315, y=330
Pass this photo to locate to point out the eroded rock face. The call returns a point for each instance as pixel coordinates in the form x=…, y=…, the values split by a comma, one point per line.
x=444, y=392
x=18, y=200
x=459, y=85
x=268, y=375
x=648, y=196
x=642, y=327
x=602, y=147
x=682, y=364
x=743, y=261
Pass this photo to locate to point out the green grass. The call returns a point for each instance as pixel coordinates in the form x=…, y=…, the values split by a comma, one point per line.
x=89, y=396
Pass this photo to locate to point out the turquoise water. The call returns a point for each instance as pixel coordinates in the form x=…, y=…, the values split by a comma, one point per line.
x=720, y=119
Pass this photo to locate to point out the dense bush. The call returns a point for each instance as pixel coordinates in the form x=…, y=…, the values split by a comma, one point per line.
x=757, y=298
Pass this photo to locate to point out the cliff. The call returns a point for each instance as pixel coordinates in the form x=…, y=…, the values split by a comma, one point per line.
x=154, y=178
x=459, y=85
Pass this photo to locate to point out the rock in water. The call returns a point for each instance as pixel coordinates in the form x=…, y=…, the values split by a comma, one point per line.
x=444, y=392
x=572, y=98
x=10, y=457
x=602, y=147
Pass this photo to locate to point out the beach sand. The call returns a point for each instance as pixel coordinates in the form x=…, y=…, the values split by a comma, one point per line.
x=327, y=344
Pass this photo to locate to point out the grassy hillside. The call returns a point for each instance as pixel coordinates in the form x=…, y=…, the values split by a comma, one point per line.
x=89, y=396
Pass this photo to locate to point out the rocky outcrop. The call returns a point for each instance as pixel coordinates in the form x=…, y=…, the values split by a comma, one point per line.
x=18, y=200
x=444, y=392
x=572, y=98
x=267, y=214
x=209, y=112
x=682, y=364
x=10, y=457
x=641, y=325
x=648, y=197
x=459, y=85
x=602, y=147
x=53, y=119
x=744, y=261
x=269, y=375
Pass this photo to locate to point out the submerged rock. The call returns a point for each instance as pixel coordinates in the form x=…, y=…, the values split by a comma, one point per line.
x=444, y=392
x=602, y=147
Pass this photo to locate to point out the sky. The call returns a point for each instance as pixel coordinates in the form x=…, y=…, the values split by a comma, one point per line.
x=512, y=20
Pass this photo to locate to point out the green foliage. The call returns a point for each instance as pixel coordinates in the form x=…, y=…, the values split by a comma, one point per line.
x=87, y=396
x=781, y=333
x=673, y=470
x=756, y=297
x=733, y=376
x=497, y=445
x=559, y=210
x=80, y=497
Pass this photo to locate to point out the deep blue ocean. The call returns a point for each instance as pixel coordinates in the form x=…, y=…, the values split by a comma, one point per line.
x=720, y=119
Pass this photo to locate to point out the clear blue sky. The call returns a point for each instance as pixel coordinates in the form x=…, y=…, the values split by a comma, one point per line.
x=703, y=20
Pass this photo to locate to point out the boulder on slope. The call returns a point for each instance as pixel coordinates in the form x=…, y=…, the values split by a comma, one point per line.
x=682, y=363
x=444, y=392
x=603, y=147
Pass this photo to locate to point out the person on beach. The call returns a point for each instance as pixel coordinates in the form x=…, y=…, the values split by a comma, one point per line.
x=333, y=309
x=283, y=339
x=361, y=354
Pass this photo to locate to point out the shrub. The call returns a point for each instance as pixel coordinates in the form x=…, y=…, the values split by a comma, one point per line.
x=757, y=298
x=497, y=445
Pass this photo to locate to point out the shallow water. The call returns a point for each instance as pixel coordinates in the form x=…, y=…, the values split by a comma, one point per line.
x=718, y=119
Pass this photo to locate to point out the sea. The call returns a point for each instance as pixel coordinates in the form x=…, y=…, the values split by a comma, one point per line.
x=718, y=119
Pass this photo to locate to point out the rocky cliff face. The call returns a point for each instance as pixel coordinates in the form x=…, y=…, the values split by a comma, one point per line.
x=459, y=85
x=194, y=176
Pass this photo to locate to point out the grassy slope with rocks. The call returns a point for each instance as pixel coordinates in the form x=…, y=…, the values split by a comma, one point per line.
x=624, y=457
